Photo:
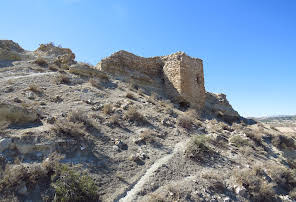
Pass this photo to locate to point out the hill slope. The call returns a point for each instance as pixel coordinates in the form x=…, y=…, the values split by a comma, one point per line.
x=71, y=132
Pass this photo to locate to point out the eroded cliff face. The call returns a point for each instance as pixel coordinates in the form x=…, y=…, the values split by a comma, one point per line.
x=179, y=76
x=220, y=107
x=10, y=51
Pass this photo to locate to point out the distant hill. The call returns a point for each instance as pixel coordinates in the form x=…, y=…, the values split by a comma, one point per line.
x=277, y=118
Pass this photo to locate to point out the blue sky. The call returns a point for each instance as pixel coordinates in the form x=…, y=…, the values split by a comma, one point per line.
x=248, y=46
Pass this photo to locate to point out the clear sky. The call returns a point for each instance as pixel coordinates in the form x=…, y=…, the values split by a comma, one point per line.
x=248, y=46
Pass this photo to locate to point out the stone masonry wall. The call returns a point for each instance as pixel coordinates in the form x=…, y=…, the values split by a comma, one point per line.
x=192, y=81
x=123, y=63
x=182, y=76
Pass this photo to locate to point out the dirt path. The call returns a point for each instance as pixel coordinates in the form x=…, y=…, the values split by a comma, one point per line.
x=25, y=76
x=131, y=193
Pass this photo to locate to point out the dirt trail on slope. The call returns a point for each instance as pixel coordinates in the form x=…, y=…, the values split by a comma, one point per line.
x=24, y=76
x=131, y=193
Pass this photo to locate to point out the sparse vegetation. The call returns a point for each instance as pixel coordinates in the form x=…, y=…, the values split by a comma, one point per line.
x=41, y=62
x=17, y=115
x=36, y=89
x=147, y=136
x=186, y=122
x=239, y=141
x=258, y=188
x=95, y=83
x=198, y=148
x=134, y=116
x=130, y=96
x=62, y=79
x=107, y=109
x=73, y=186
x=115, y=119
x=283, y=142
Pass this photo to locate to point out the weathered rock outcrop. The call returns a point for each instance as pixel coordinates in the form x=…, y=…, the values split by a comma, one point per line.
x=64, y=55
x=219, y=105
x=10, y=50
x=180, y=76
x=16, y=114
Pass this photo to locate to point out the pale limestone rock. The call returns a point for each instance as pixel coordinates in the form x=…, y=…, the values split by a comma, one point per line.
x=5, y=144
x=219, y=105
x=10, y=51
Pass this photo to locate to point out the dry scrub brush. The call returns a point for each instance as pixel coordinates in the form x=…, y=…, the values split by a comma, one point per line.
x=134, y=116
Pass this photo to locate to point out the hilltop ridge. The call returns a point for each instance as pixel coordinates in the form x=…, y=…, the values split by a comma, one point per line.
x=130, y=129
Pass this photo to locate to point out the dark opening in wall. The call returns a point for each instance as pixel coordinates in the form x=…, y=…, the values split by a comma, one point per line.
x=183, y=106
x=197, y=79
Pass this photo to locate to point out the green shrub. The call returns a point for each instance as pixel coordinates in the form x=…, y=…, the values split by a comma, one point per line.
x=198, y=148
x=73, y=186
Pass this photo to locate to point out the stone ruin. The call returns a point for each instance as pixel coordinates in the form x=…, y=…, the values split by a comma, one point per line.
x=180, y=77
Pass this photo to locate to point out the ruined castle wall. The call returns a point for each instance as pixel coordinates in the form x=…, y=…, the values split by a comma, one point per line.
x=123, y=63
x=178, y=75
x=172, y=76
x=192, y=81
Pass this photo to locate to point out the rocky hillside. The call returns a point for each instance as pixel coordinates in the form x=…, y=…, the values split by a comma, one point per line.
x=114, y=132
x=285, y=124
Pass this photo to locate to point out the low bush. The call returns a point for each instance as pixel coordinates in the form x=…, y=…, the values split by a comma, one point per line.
x=130, y=96
x=239, y=141
x=186, y=122
x=254, y=181
x=198, y=148
x=62, y=79
x=147, y=136
x=41, y=62
x=67, y=128
x=95, y=83
x=115, y=119
x=283, y=142
x=73, y=186
x=134, y=116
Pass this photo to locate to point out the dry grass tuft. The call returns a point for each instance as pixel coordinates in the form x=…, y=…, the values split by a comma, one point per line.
x=62, y=79
x=67, y=128
x=134, y=116
x=36, y=89
x=283, y=142
x=258, y=188
x=186, y=122
x=147, y=136
x=15, y=114
x=108, y=109
x=41, y=62
x=115, y=119
x=239, y=141
x=130, y=96
x=95, y=83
